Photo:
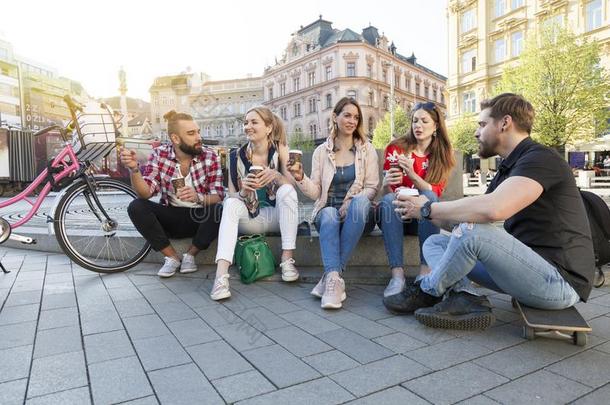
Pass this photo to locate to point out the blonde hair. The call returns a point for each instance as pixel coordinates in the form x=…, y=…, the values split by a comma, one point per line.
x=359, y=131
x=172, y=117
x=277, y=136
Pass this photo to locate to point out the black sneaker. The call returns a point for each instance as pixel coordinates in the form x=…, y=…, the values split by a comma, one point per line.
x=410, y=299
x=459, y=310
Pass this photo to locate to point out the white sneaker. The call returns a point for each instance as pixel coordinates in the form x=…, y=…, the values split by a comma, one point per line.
x=220, y=290
x=395, y=286
x=188, y=264
x=318, y=290
x=334, y=293
x=289, y=272
x=169, y=267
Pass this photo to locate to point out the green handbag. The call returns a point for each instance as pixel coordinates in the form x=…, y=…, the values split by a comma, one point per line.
x=254, y=258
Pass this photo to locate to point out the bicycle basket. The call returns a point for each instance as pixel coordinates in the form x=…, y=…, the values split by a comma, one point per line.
x=97, y=132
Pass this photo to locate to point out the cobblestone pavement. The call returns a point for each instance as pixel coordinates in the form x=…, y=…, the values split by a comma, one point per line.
x=71, y=336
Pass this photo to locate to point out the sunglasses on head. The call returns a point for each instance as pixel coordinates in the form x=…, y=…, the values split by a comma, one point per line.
x=429, y=105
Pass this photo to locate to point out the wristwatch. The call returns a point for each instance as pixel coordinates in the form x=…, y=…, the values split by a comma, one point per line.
x=136, y=170
x=426, y=210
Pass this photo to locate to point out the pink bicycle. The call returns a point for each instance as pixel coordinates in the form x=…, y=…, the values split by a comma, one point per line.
x=89, y=214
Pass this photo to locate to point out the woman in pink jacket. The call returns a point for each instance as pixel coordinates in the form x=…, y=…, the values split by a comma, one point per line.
x=344, y=180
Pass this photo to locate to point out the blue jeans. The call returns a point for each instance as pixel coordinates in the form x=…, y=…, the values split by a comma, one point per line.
x=339, y=238
x=394, y=229
x=491, y=254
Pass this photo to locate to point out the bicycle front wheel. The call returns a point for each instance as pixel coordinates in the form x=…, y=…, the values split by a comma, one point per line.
x=94, y=230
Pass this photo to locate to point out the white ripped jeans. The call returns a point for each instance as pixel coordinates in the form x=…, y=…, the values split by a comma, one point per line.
x=284, y=217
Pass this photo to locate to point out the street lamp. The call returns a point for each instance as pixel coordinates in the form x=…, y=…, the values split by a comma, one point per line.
x=392, y=50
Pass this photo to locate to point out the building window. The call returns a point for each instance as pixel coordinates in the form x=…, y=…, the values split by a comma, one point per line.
x=516, y=44
x=311, y=78
x=270, y=93
x=500, y=8
x=469, y=61
x=284, y=113
x=298, y=130
x=417, y=89
x=434, y=94
x=313, y=105
x=384, y=75
x=351, y=69
x=468, y=20
x=397, y=81
x=231, y=129
x=296, y=84
x=313, y=130
x=219, y=130
x=386, y=103
x=407, y=83
x=207, y=131
x=371, y=97
x=282, y=89
x=427, y=92
x=514, y=4
x=329, y=100
x=352, y=94
x=371, y=126
x=499, y=50
x=369, y=71
x=469, y=102
x=297, y=109
x=594, y=14
x=329, y=72
x=442, y=98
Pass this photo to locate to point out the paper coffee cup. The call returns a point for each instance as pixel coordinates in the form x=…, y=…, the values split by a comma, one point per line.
x=406, y=191
x=178, y=183
x=295, y=155
x=256, y=169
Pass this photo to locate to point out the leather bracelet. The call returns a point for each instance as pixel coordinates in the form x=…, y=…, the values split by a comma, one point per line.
x=136, y=170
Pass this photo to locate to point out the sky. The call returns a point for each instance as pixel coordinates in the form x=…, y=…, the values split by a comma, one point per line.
x=89, y=41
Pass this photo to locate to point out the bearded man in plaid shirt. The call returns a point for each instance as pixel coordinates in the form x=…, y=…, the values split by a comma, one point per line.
x=189, y=178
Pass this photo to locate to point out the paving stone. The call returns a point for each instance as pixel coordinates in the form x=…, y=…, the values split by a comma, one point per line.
x=15, y=363
x=591, y=310
x=217, y=315
x=601, y=300
x=372, y=312
x=277, y=305
x=399, y=342
x=479, y=400
x=56, y=341
x=124, y=293
x=193, y=332
x=604, y=347
x=74, y=396
x=243, y=336
x=391, y=396
x=31, y=275
x=331, y=362
x=354, y=345
x=57, y=373
x=107, y=346
x=361, y=325
x=601, y=326
x=280, y=366
x=19, y=334
x=160, y=352
x=140, y=327
x=495, y=338
x=320, y=392
x=309, y=322
x=151, y=400
x=517, y=361
x=183, y=385
x=591, y=368
x=174, y=311
x=22, y=313
x=540, y=387
x=116, y=280
x=242, y=386
x=379, y=375
x=118, y=380
x=158, y=295
x=563, y=348
x=56, y=318
x=28, y=285
x=409, y=326
x=262, y=319
x=58, y=278
x=55, y=301
x=218, y=359
x=106, y=321
x=447, y=354
x=137, y=307
x=58, y=288
x=13, y=392
x=22, y=298
x=298, y=342
x=455, y=384
x=596, y=397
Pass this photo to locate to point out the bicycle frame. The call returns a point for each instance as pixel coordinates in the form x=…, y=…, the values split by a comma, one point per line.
x=69, y=168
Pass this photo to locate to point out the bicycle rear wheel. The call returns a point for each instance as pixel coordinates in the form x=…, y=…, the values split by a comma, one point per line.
x=101, y=243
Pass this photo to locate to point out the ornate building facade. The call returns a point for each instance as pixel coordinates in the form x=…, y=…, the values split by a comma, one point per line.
x=321, y=64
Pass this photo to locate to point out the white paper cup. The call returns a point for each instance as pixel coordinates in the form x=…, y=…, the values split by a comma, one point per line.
x=406, y=191
x=256, y=169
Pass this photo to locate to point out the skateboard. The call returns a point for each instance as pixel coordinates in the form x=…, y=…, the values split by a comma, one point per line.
x=567, y=324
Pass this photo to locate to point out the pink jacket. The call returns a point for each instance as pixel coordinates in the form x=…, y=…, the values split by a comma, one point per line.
x=323, y=170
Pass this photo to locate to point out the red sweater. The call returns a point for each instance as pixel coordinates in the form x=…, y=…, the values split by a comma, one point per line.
x=420, y=166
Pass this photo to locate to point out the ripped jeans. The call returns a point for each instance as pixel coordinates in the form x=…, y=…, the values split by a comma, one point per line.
x=501, y=262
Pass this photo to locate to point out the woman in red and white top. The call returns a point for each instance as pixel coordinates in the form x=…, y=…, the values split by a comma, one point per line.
x=422, y=159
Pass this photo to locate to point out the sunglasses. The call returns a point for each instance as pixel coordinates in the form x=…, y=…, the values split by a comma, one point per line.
x=429, y=105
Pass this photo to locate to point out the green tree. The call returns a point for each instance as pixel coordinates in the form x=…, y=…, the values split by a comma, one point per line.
x=299, y=140
x=561, y=75
x=462, y=137
x=381, y=134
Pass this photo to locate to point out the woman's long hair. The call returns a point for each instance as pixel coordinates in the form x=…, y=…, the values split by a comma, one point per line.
x=278, y=133
x=359, y=131
x=440, y=152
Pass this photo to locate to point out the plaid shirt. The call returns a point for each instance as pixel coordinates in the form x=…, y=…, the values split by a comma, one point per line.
x=205, y=172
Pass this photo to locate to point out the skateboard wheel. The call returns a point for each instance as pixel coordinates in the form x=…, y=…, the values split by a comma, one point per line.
x=580, y=338
x=529, y=333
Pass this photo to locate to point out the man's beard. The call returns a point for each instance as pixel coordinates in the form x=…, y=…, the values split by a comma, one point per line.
x=190, y=150
x=486, y=151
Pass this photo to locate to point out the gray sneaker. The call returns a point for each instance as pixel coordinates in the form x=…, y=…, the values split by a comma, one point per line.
x=318, y=290
x=188, y=264
x=395, y=286
x=334, y=293
x=169, y=267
